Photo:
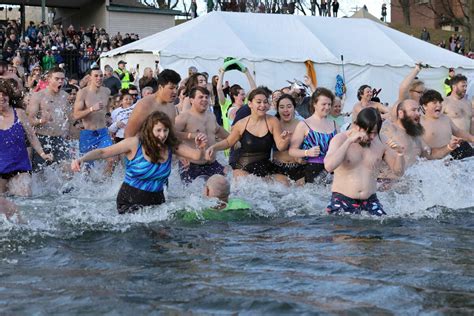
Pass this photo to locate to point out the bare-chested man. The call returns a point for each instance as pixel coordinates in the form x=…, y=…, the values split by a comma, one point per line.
x=48, y=112
x=355, y=156
x=459, y=109
x=162, y=100
x=439, y=128
x=193, y=122
x=407, y=131
x=364, y=95
x=91, y=107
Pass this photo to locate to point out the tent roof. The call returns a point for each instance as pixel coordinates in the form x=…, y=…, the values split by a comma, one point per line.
x=364, y=14
x=278, y=37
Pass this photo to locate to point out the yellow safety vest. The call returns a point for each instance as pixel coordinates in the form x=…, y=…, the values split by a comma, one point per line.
x=126, y=78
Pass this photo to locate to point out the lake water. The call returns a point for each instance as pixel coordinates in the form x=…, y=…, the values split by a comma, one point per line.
x=75, y=255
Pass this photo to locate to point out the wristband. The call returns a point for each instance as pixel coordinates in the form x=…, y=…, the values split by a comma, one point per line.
x=189, y=135
x=306, y=153
x=91, y=109
x=40, y=121
x=449, y=147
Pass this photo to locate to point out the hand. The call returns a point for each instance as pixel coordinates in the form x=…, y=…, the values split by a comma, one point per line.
x=97, y=107
x=76, y=165
x=454, y=143
x=221, y=71
x=184, y=163
x=47, y=157
x=201, y=141
x=356, y=136
x=210, y=154
x=395, y=146
x=418, y=66
x=121, y=124
x=285, y=135
x=313, y=152
x=307, y=81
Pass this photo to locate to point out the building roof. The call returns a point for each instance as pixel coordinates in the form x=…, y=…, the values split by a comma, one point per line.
x=364, y=14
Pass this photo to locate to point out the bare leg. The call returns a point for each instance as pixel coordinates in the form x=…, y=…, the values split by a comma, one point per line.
x=3, y=186
x=281, y=178
x=8, y=208
x=20, y=185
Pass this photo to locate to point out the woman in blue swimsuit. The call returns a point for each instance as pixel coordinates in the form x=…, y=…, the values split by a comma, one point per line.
x=311, y=137
x=148, y=161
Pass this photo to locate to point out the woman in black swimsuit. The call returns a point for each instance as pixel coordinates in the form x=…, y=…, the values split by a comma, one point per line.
x=257, y=135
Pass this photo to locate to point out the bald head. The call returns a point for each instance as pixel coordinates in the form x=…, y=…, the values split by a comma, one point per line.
x=217, y=186
x=406, y=105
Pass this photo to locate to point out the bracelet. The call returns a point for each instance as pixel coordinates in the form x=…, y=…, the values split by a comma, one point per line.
x=449, y=147
x=40, y=121
x=189, y=135
x=306, y=153
x=91, y=109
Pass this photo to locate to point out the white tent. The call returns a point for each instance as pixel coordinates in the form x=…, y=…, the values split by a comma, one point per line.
x=275, y=48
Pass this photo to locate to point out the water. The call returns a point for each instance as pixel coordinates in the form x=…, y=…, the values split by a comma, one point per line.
x=75, y=255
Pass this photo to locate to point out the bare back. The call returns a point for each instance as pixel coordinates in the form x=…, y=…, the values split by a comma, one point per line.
x=143, y=109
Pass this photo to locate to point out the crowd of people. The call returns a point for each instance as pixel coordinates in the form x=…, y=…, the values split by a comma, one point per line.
x=286, y=135
x=46, y=46
x=455, y=43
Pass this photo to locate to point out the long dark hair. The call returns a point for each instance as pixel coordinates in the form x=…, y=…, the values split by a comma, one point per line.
x=151, y=145
x=8, y=87
x=369, y=119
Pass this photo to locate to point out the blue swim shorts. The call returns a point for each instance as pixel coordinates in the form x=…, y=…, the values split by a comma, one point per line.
x=93, y=139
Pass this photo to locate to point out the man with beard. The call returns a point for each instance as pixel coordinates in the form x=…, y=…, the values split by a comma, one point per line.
x=162, y=100
x=354, y=156
x=439, y=128
x=459, y=110
x=194, y=122
x=407, y=131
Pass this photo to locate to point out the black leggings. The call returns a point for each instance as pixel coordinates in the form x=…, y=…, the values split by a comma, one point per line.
x=312, y=170
x=130, y=199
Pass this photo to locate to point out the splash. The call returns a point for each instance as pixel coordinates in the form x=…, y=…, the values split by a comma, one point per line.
x=69, y=208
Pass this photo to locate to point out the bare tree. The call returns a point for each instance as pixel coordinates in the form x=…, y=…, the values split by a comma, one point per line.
x=405, y=6
x=456, y=12
x=160, y=4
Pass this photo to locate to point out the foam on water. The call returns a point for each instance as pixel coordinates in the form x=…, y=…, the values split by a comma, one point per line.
x=427, y=190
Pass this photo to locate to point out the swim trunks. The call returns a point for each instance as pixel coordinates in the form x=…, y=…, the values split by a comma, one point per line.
x=130, y=199
x=56, y=145
x=194, y=171
x=343, y=204
x=93, y=139
x=463, y=151
x=294, y=171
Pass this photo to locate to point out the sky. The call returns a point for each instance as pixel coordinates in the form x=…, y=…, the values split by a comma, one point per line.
x=346, y=7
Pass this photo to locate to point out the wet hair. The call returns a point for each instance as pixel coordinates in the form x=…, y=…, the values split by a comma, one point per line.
x=151, y=145
x=457, y=78
x=93, y=69
x=282, y=97
x=369, y=119
x=259, y=91
x=429, y=96
x=7, y=87
x=192, y=82
x=192, y=93
x=318, y=93
x=168, y=76
x=55, y=70
x=360, y=91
